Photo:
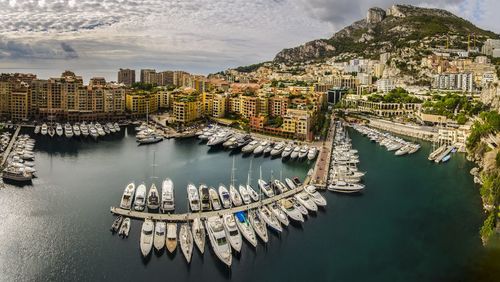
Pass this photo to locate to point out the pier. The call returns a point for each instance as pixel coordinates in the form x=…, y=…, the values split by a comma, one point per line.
x=182, y=217
x=9, y=148
x=319, y=176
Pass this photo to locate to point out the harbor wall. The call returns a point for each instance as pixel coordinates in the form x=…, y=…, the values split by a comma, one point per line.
x=403, y=129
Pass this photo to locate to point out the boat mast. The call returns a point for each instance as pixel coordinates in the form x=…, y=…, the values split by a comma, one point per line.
x=233, y=169
x=153, y=166
x=249, y=171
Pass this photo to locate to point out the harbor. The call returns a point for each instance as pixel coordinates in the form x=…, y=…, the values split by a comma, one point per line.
x=66, y=210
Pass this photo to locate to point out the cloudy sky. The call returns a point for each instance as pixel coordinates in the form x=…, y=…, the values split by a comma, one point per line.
x=96, y=37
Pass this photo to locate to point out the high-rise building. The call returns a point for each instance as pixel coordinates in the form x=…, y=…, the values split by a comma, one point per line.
x=19, y=104
x=148, y=76
x=126, y=76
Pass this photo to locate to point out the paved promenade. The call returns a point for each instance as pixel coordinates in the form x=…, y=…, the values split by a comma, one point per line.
x=320, y=172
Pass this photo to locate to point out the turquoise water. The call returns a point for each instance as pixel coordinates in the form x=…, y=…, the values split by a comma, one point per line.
x=416, y=221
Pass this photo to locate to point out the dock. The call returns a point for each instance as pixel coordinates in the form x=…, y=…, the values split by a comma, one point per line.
x=6, y=153
x=182, y=217
x=321, y=168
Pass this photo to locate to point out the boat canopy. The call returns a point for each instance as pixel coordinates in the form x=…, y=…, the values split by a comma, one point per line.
x=241, y=216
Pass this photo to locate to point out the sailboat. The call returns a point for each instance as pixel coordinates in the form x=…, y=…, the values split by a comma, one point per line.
x=153, y=200
x=186, y=241
x=270, y=219
x=233, y=193
x=199, y=234
x=258, y=225
x=253, y=194
x=264, y=187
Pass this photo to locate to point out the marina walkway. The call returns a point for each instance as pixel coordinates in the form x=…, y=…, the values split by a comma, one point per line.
x=202, y=215
x=9, y=148
x=319, y=176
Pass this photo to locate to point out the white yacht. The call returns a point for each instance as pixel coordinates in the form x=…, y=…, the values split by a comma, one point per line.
x=99, y=129
x=279, y=213
x=51, y=131
x=167, y=195
x=59, y=129
x=290, y=183
x=253, y=194
x=171, y=239
x=280, y=186
x=117, y=127
x=186, y=241
x=232, y=232
x=76, y=130
x=193, y=197
x=218, y=239
x=147, y=236
x=258, y=225
x=224, y=197
x=68, y=130
x=295, y=153
x=266, y=188
x=93, y=131
x=199, y=234
x=84, y=129
x=204, y=198
x=214, y=199
x=315, y=195
x=306, y=201
x=235, y=196
x=124, y=228
x=287, y=151
x=153, y=201
x=270, y=219
x=278, y=149
x=344, y=187
x=303, y=152
x=245, y=196
x=140, y=198
x=289, y=208
x=160, y=231
x=246, y=228
x=110, y=127
x=44, y=129
x=260, y=148
x=128, y=196
x=313, y=152
x=250, y=147
x=37, y=129
x=151, y=139
x=268, y=149
x=106, y=129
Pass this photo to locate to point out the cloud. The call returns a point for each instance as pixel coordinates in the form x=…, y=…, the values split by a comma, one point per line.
x=196, y=35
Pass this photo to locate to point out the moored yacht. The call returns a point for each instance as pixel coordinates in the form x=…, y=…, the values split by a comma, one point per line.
x=140, y=198
x=279, y=213
x=99, y=129
x=186, y=241
x=246, y=228
x=295, y=153
x=235, y=196
x=37, y=129
x=344, y=187
x=304, y=150
x=266, y=188
x=84, y=129
x=298, y=206
x=171, y=238
x=288, y=207
x=68, y=130
x=214, y=199
x=128, y=196
x=270, y=219
x=315, y=195
x=232, y=232
x=287, y=151
x=250, y=147
x=167, y=195
x=153, y=201
x=245, y=196
x=199, y=234
x=59, y=129
x=218, y=239
x=260, y=148
x=278, y=149
x=290, y=183
x=258, y=225
x=76, y=130
x=224, y=196
x=306, y=201
x=313, y=152
x=44, y=129
x=147, y=236
x=159, y=238
x=253, y=194
x=204, y=198
x=193, y=197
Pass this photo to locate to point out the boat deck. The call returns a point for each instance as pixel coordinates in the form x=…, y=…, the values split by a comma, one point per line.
x=203, y=215
x=9, y=148
x=442, y=155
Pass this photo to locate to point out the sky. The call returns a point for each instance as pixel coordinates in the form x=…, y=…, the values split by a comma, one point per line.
x=96, y=37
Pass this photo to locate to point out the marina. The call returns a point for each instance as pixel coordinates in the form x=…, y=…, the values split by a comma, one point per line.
x=81, y=205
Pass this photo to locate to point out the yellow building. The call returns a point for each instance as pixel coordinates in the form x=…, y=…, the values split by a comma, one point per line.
x=5, y=95
x=19, y=104
x=207, y=101
x=140, y=103
x=249, y=106
x=235, y=104
x=219, y=105
x=187, y=109
x=298, y=122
